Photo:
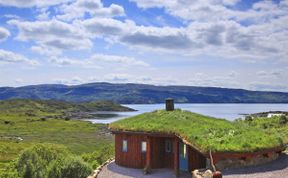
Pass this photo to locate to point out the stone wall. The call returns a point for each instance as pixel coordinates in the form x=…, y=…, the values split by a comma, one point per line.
x=246, y=161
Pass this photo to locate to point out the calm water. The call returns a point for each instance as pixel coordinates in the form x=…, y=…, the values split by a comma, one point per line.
x=226, y=111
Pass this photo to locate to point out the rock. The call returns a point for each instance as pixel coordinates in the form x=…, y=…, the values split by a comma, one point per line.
x=195, y=174
x=217, y=174
x=207, y=174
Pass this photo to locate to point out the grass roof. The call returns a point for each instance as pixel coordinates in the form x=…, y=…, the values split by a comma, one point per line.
x=200, y=131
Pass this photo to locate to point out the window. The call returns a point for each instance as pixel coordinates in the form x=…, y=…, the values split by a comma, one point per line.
x=143, y=147
x=168, y=146
x=183, y=150
x=124, y=146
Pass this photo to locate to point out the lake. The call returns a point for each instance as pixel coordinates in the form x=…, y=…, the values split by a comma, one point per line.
x=225, y=111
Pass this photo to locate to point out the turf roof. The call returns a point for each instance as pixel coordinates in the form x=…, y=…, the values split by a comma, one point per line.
x=202, y=132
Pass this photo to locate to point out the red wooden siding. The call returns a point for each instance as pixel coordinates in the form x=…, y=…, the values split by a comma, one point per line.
x=169, y=157
x=133, y=158
x=196, y=160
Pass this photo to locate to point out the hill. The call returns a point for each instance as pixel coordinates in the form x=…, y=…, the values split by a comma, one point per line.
x=141, y=93
x=37, y=107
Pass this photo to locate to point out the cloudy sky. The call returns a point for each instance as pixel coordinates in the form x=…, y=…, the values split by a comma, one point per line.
x=222, y=43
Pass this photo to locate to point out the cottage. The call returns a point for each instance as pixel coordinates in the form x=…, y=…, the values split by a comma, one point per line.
x=181, y=140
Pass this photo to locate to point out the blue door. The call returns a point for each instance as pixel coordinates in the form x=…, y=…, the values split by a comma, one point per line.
x=183, y=157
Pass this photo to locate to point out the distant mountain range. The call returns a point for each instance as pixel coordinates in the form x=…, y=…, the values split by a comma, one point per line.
x=141, y=93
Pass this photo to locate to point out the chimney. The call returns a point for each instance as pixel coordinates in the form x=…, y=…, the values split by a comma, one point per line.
x=169, y=104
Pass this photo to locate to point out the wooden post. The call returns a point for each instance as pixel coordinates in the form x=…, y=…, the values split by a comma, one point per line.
x=176, y=156
x=148, y=153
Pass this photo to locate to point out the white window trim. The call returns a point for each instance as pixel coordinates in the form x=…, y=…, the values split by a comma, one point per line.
x=124, y=148
x=142, y=144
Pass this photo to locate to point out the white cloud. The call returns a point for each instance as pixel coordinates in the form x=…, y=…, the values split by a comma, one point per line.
x=62, y=61
x=117, y=77
x=53, y=34
x=10, y=57
x=71, y=81
x=97, y=61
x=132, y=35
x=154, y=3
x=157, y=38
x=102, y=27
x=221, y=33
x=4, y=34
x=44, y=14
x=269, y=74
x=124, y=60
x=31, y=3
x=92, y=7
x=11, y=16
x=45, y=50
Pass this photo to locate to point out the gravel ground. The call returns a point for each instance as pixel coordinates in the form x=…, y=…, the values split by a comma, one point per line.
x=112, y=170
x=274, y=169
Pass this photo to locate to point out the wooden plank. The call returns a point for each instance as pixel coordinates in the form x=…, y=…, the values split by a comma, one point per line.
x=176, y=155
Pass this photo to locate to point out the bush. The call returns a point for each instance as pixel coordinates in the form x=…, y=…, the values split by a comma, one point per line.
x=71, y=167
x=283, y=119
x=98, y=157
x=33, y=162
x=47, y=161
x=248, y=118
x=8, y=170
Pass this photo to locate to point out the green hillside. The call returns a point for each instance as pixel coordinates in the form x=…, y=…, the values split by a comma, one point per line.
x=26, y=123
x=32, y=107
x=141, y=93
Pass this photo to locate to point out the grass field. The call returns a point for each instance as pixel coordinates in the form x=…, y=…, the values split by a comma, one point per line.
x=24, y=126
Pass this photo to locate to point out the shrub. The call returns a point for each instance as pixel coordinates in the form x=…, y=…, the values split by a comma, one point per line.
x=70, y=167
x=283, y=119
x=47, y=161
x=33, y=162
x=248, y=118
x=43, y=119
x=98, y=157
x=8, y=170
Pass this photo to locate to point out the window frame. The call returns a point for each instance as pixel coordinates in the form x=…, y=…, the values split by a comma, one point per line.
x=125, y=145
x=168, y=146
x=141, y=146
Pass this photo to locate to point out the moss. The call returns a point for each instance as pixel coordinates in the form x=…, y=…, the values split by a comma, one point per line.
x=203, y=132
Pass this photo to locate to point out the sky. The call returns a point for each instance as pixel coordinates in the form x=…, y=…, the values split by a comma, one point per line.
x=220, y=43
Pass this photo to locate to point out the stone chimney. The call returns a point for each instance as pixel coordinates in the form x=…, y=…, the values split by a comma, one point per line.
x=169, y=104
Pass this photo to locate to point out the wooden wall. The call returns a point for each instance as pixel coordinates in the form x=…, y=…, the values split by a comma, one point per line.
x=134, y=158
x=195, y=159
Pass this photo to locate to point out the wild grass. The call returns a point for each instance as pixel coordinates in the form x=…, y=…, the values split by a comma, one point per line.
x=25, y=125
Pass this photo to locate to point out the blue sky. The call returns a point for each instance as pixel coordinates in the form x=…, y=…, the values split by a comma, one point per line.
x=221, y=43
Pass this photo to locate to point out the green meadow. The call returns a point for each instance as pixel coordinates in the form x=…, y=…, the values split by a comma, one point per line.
x=25, y=124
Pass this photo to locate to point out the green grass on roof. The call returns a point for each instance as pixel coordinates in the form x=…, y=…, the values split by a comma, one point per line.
x=202, y=132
